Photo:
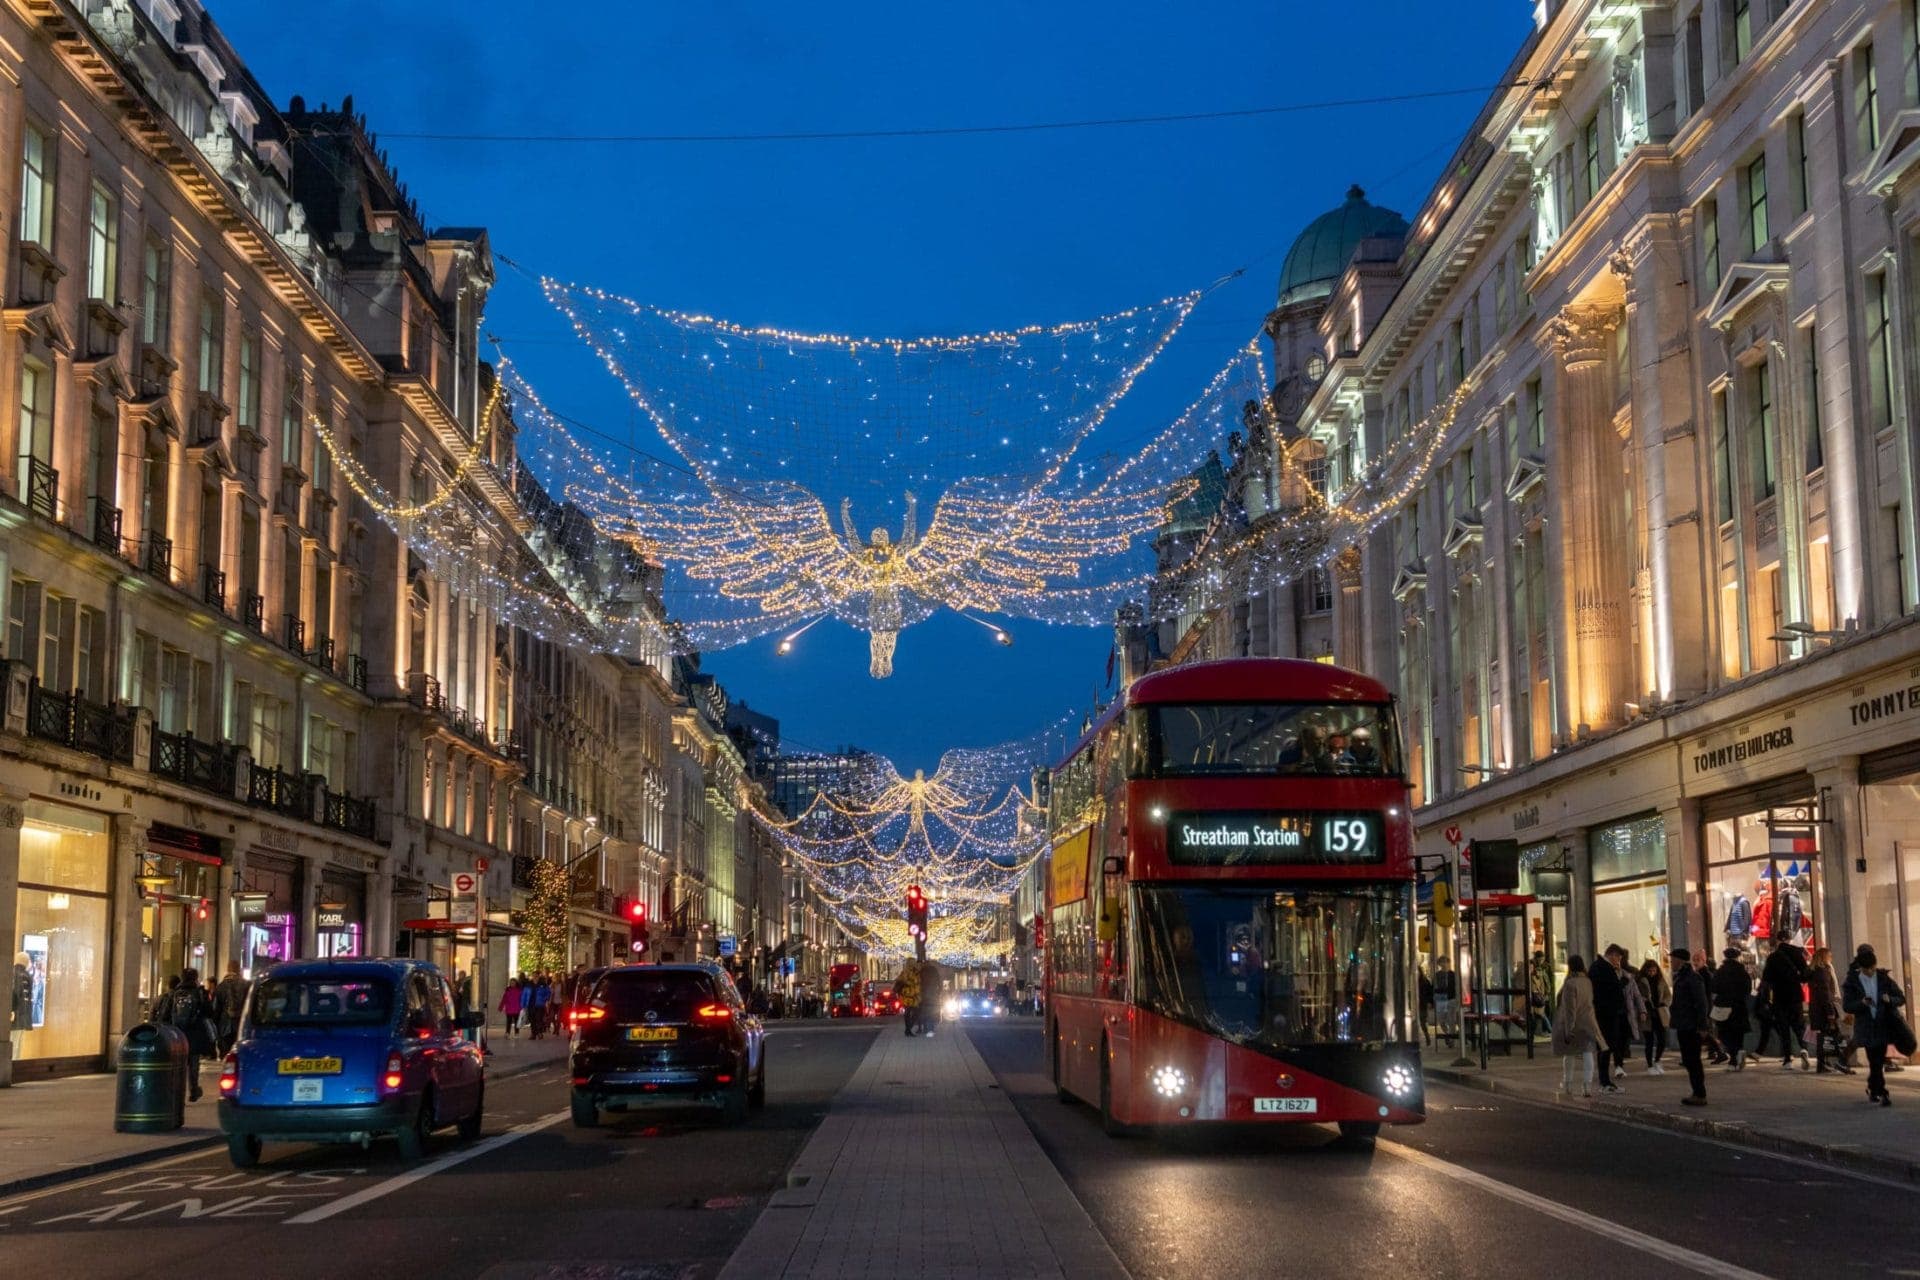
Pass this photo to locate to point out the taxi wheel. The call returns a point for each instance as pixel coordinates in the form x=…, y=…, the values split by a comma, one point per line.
x=243, y=1149
x=470, y=1127
x=413, y=1138
x=585, y=1114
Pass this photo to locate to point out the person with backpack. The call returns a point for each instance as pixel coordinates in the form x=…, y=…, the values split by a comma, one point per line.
x=187, y=1009
x=229, y=1002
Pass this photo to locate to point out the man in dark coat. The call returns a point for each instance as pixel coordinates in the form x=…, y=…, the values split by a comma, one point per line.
x=1610, y=1010
x=1732, y=990
x=1782, y=978
x=1874, y=999
x=1691, y=1017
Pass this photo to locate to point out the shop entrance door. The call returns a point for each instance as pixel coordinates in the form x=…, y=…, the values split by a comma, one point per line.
x=165, y=930
x=1906, y=869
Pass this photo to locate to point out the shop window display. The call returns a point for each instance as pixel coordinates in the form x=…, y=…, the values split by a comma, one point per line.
x=1628, y=861
x=61, y=939
x=1763, y=884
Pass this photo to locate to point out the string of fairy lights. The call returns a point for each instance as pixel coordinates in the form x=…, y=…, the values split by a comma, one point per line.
x=1032, y=512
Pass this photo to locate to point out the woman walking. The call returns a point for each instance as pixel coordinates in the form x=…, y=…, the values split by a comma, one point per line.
x=542, y=997
x=1657, y=996
x=1732, y=989
x=1874, y=999
x=510, y=1000
x=1576, y=1031
x=1824, y=1007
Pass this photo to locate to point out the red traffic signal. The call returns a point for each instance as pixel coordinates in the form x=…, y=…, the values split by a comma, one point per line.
x=637, y=911
x=203, y=910
x=637, y=927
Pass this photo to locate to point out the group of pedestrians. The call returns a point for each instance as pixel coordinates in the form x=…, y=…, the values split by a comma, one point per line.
x=537, y=999
x=1711, y=1012
x=206, y=1014
x=919, y=987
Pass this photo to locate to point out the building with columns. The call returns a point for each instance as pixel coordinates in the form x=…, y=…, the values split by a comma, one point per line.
x=241, y=719
x=1649, y=604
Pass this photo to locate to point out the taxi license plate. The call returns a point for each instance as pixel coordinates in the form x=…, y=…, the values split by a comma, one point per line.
x=309, y=1066
x=1286, y=1106
x=653, y=1033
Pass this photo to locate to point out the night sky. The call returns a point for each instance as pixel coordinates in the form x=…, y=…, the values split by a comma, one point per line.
x=893, y=236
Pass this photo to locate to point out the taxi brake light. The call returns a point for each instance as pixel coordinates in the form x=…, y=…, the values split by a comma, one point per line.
x=394, y=1076
x=229, y=1075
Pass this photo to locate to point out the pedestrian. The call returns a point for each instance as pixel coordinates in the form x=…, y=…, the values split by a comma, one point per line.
x=1656, y=996
x=542, y=998
x=907, y=987
x=1710, y=1036
x=1692, y=1018
x=510, y=1001
x=191, y=1014
x=229, y=1002
x=1638, y=1019
x=1874, y=999
x=1784, y=977
x=1732, y=988
x=463, y=1000
x=1426, y=1007
x=931, y=980
x=1610, y=1009
x=1824, y=1013
x=1446, y=997
x=1540, y=992
x=1577, y=1037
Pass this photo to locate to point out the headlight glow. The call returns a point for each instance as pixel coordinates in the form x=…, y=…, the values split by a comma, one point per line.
x=952, y=1009
x=1169, y=1082
x=1399, y=1080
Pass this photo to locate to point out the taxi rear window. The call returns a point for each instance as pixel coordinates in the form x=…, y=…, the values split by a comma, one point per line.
x=321, y=1001
x=668, y=997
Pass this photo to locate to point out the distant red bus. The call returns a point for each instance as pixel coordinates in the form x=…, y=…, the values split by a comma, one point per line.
x=1230, y=904
x=846, y=998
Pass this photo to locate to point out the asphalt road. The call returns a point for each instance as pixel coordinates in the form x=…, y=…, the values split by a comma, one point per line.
x=1487, y=1187
x=639, y=1197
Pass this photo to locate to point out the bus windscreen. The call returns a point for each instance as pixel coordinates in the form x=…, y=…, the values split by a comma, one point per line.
x=1252, y=739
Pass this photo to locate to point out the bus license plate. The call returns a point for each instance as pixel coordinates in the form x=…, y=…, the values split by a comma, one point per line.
x=1286, y=1106
x=653, y=1033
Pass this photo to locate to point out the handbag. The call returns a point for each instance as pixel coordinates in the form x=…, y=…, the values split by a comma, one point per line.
x=1899, y=1034
x=1720, y=1013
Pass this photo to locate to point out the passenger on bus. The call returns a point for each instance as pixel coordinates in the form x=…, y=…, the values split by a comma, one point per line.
x=1308, y=753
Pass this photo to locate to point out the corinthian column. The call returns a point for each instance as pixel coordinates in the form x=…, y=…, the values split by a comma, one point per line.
x=1593, y=497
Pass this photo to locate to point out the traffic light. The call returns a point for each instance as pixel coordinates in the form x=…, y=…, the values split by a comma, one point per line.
x=203, y=910
x=637, y=927
x=916, y=913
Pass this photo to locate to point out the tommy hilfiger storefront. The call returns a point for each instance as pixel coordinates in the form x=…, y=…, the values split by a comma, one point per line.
x=1787, y=809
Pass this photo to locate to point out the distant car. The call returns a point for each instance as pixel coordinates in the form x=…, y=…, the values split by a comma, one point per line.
x=972, y=1004
x=667, y=1035
x=881, y=1000
x=347, y=1051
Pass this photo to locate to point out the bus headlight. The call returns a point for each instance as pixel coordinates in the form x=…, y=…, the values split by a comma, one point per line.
x=1169, y=1082
x=1399, y=1080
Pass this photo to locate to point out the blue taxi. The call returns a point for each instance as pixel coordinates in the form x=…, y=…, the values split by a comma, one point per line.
x=346, y=1051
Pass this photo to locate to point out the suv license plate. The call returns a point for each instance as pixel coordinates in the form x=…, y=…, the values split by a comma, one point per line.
x=1286, y=1106
x=653, y=1033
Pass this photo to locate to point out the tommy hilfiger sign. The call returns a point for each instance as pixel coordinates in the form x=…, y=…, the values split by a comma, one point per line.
x=1745, y=749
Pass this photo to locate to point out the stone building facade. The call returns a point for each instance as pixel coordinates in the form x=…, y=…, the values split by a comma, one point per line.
x=1650, y=606
x=241, y=718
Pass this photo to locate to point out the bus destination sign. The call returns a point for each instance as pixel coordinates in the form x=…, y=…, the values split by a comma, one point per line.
x=1250, y=839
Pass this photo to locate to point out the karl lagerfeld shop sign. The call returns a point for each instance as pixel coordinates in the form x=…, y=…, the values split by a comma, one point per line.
x=1745, y=749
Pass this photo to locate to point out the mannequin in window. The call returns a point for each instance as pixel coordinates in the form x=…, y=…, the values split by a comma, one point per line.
x=1739, y=920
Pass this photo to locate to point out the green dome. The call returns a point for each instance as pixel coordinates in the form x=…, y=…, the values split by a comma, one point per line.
x=1321, y=254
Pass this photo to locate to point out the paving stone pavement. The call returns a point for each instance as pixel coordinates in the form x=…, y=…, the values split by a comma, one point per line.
x=923, y=1168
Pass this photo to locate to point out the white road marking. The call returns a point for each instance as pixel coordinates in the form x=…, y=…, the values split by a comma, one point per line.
x=1665, y=1251
x=427, y=1170
x=62, y=1188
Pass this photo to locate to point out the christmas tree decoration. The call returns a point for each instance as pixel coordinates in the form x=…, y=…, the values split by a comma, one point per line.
x=543, y=946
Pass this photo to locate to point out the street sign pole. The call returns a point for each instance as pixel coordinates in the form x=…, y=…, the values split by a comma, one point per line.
x=1463, y=904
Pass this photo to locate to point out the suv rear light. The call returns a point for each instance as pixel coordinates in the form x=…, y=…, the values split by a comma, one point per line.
x=395, y=1074
x=713, y=1013
x=230, y=1075
x=584, y=1013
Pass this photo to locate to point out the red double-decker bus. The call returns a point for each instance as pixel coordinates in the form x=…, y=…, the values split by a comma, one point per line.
x=1230, y=904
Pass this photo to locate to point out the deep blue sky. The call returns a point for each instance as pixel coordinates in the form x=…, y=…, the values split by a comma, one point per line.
x=894, y=236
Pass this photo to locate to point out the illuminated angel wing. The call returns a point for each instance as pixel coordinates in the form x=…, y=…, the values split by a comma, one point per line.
x=1001, y=549
x=774, y=546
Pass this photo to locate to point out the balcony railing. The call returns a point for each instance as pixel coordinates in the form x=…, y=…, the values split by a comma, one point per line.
x=213, y=586
x=72, y=720
x=321, y=655
x=350, y=814
x=293, y=633
x=106, y=527
x=423, y=691
x=253, y=610
x=156, y=557
x=209, y=766
x=356, y=671
x=280, y=791
x=43, y=489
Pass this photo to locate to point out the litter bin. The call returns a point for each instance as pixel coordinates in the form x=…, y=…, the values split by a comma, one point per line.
x=150, y=1094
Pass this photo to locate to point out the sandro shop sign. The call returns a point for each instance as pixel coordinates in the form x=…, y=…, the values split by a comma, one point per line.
x=1881, y=711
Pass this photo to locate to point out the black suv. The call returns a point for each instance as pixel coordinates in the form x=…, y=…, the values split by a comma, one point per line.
x=667, y=1035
